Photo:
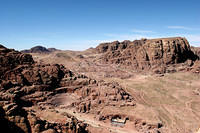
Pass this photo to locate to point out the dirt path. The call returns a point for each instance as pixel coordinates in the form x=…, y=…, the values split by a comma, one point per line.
x=95, y=123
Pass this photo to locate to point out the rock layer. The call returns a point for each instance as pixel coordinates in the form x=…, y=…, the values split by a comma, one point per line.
x=146, y=54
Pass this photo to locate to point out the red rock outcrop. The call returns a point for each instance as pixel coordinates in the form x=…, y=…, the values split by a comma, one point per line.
x=196, y=67
x=24, y=83
x=196, y=50
x=102, y=94
x=10, y=59
x=147, y=54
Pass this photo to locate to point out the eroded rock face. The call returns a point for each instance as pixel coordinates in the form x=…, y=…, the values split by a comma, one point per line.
x=196, y=50
x=196, y=67
x=102, y=94
x=23, y=83
x=146, y=54
x=10, y=59
x=15, y=119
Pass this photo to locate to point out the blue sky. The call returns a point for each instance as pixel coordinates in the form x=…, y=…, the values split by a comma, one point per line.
x=80, y=24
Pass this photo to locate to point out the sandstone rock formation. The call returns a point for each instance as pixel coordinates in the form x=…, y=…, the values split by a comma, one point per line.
x=196, y=67
x=25, y=83
x=147, y=54
x=196, y=50
x=10, y=59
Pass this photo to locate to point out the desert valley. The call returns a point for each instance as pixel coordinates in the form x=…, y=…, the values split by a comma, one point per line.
x=141, y=86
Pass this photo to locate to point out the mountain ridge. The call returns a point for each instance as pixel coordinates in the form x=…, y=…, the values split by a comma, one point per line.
x=39, y=49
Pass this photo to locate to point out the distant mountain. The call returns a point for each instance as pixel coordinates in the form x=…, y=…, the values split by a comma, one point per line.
x=39, y=49
x=52, y=49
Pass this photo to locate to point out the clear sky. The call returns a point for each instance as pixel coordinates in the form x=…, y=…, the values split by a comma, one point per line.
x=80, y=24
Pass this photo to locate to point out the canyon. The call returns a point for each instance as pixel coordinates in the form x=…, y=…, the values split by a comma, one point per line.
x=141, y=86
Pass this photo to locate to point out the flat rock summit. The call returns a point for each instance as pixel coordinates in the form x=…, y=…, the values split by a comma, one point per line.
x=145, y=54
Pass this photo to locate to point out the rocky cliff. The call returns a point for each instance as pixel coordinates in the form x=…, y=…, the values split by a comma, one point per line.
x=146, y=54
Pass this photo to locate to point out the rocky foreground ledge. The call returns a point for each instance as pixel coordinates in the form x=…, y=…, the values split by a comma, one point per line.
x=23, y=83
